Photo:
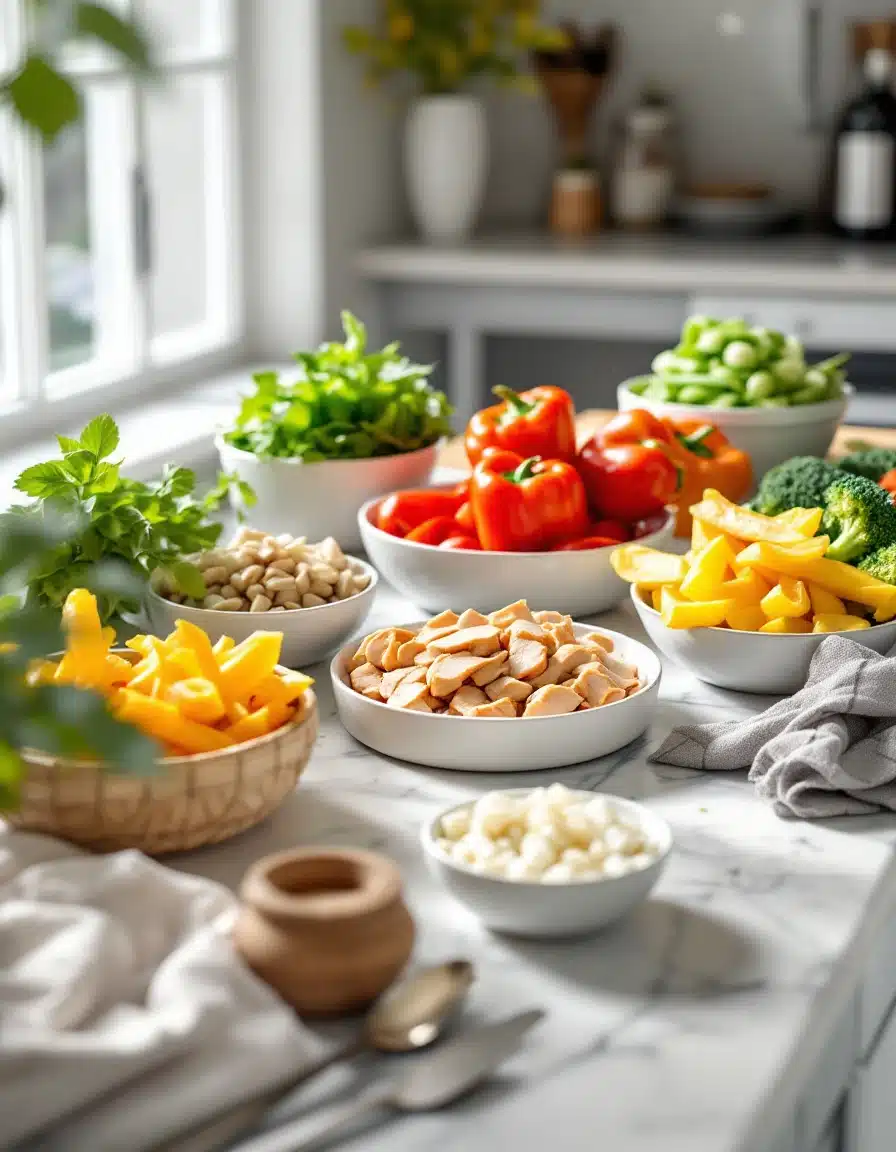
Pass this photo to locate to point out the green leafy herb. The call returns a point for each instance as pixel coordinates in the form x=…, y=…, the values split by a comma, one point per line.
x=60, y=720
x=109, y=517
x=347, y=404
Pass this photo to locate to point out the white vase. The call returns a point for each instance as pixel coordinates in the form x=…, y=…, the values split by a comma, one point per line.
x=446, y=154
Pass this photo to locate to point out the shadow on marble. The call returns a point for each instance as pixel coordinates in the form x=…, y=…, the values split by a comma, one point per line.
x=665, y=947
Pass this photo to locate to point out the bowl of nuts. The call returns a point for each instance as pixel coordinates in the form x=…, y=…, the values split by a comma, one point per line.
x=314, y=594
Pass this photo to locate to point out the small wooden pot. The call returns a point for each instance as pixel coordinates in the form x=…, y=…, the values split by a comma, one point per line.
x=327, y=928
x=576, y=208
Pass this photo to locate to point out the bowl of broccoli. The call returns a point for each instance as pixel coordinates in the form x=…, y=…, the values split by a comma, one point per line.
x=753, y=383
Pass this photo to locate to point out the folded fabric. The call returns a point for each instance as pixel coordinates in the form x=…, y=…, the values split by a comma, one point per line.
x=828, y=750
x=124, y=1011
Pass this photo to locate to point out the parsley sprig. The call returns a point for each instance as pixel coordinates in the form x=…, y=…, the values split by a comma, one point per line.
x=111, y=517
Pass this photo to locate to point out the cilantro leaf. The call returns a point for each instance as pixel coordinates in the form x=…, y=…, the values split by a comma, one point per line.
x=100, y=436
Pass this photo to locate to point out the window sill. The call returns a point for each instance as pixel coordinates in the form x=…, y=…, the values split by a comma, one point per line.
x=177, y=428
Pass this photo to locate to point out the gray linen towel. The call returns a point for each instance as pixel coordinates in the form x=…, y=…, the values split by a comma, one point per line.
x=828, y=750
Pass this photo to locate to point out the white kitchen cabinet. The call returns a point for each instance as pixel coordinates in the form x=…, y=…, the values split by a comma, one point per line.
x=871, y=1105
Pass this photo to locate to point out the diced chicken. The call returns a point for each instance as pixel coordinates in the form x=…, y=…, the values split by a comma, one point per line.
x=504, y=617
x=553, y=674
x=552, y=700
x=438, y=626
x=526, y=630
x=367, y=679
x=562, y=632
x=471, y=619
x=548, y=617
x=466, y=699
x=625, y=675
x=449, y=671
x=595, y=687
x=381, y=642
x=528, y=658
x=496, y=709
x=425, y=658
x=434, y=704
x=410, y=694
x=391, y=680
x=482, y=640
x=563, y=661
x=506, y=686
x=409, y=651
x=490, y=669
x=391, y=659
x=600, y=640
x=357, y=661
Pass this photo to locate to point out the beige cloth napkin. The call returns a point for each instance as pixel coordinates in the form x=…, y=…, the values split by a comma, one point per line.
x=828, y=750
x=124, y=1011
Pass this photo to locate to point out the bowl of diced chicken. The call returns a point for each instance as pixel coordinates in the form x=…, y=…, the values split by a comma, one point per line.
x=512, y=691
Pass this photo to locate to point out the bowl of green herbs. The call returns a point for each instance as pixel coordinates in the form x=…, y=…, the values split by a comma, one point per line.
x=348, y=426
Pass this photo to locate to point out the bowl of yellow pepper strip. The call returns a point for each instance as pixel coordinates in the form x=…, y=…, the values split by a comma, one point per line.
x=235, y=731
x=747, y=606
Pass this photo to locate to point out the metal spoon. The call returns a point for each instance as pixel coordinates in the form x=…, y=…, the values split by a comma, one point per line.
x=409, y=1016
x=432, y=1082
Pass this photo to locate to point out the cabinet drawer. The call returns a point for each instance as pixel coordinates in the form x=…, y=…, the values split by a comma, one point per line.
x=878, y=993
x=848, y=324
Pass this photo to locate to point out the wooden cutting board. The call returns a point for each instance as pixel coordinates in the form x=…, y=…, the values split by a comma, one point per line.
x=453, y=456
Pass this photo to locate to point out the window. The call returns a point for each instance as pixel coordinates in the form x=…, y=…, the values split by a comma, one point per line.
x=119, y=242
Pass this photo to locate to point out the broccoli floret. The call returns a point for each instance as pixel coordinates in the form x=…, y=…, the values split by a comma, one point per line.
x=797, y=483
x=859, y=518
x=881, y=564
x=871, y=463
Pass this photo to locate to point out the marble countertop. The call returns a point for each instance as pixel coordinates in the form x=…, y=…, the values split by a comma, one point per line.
x=810, y=264
x=693, y=1026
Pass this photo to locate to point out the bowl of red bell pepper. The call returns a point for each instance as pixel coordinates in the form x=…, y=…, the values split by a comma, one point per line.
x=537, y=518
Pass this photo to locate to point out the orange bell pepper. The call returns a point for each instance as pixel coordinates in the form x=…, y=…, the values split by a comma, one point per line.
x=540, y=422
x=706, y=459
x=526, y=505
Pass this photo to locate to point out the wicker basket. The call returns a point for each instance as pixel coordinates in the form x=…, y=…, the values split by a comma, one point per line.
x=194, y=800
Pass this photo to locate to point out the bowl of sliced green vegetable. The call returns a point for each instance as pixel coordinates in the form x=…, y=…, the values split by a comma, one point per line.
x=350, y=425
x=753, y=383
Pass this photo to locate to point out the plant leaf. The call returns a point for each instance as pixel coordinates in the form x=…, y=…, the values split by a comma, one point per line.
x=123, y=37
x=41, y=480
x=189, y=579
x=100, y=436
x=66, y=444
x=42, y=96
x=10, y=777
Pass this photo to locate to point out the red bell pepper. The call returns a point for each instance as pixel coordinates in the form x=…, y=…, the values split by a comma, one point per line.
x=627, y=469
x=434, y=530
x=401, y=512
x=464, y=517
x=586, y=544
x=466, y=543
x=540, y=422
x=525, y=505
x=888, y=483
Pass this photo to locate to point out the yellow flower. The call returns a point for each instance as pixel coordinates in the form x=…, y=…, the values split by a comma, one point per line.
x=401, y=27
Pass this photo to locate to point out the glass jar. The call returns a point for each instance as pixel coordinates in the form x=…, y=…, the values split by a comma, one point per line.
x=643, y=181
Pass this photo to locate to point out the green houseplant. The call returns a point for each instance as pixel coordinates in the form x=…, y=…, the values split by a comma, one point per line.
x=445, y=46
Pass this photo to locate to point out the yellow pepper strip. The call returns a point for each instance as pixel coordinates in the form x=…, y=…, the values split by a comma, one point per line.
x=183, y=664
x=738, y=521
x=788, y=598
x=163, y=720
x=197, y=699
x=222, y=646
x=747, y=589
x=647, y=567
x=656, y=595
x=235, y=712
x=252, y=660
x=813, y=549
x=259, y=723
x=841, y=579
x=193, y=638
x=80, y=614
x=145, y=644
x=120, y=671
x=806, y=521
x=746, y=618
x=277, y=689
x=786, y=625
x=825, y=603
x=708, y=570
x=147, y=672
x=702, y=533
x=839, y=622
x=40, y=672
x=678, y=613
x=108, y=635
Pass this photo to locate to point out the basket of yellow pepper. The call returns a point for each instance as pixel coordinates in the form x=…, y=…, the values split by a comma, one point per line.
x=235, y=732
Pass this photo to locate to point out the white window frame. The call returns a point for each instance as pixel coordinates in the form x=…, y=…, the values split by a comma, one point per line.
x=126, y=364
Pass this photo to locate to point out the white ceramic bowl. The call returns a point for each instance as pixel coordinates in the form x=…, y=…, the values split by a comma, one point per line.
x=309, y=634
x=529, y=908
x=578, y=583
x=748, y=661
x=770, y=435
x=476, y=744
x=322, y=499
